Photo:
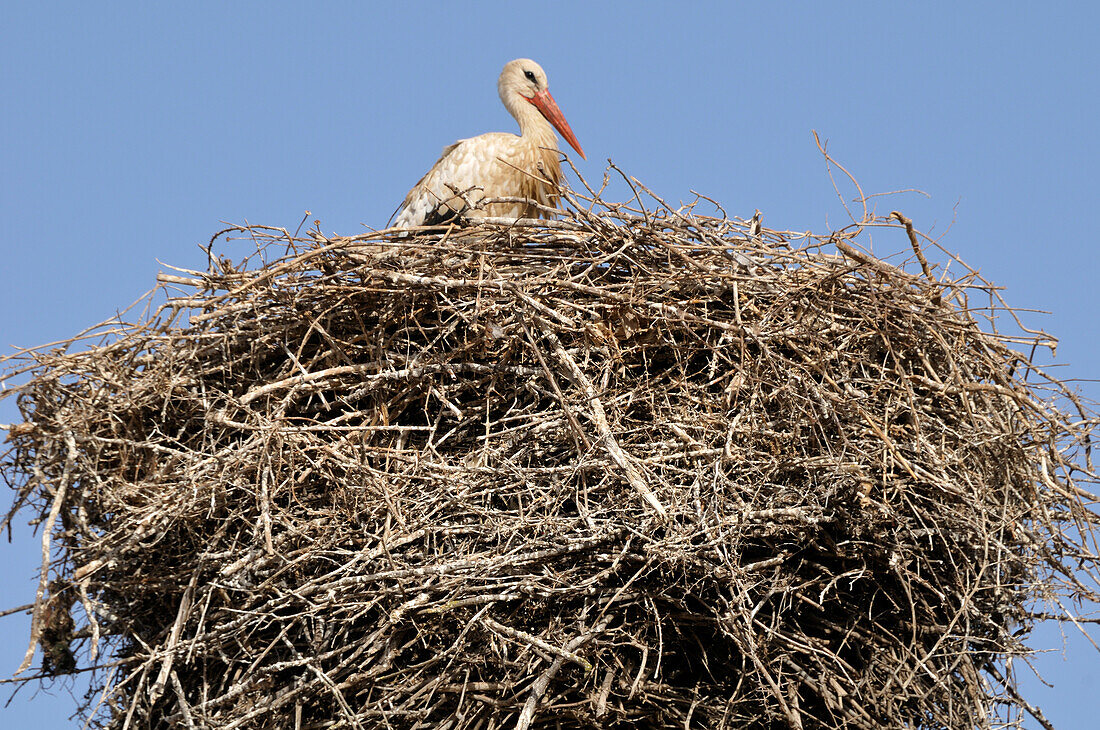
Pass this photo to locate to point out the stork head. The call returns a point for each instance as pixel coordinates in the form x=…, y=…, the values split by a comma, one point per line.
x=524, y=82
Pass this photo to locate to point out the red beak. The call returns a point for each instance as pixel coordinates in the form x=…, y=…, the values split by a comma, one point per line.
x=549, y=108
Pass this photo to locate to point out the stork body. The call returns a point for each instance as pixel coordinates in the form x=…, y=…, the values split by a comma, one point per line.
x=498, y=165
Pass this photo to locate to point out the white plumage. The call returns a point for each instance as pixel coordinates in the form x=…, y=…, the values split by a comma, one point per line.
x=498, y=164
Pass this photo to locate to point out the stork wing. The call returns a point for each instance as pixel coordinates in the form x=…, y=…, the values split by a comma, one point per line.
x=431, y=201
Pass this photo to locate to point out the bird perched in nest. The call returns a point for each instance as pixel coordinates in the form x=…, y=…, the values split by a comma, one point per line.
x=498, y=164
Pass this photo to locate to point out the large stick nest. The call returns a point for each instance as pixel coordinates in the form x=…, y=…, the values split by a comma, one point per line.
x=632, y=468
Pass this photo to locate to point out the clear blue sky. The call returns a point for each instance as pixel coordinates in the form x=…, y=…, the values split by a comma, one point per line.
x=128, y=131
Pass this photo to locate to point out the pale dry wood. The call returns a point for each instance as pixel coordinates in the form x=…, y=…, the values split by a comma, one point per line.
x=356, y=481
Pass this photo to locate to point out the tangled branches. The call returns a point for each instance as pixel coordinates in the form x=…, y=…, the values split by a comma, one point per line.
x=625, y=469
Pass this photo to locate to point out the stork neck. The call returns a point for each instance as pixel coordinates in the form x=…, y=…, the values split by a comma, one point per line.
x=532, y=125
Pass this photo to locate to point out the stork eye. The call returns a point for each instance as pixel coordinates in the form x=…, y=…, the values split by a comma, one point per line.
x=530, y=77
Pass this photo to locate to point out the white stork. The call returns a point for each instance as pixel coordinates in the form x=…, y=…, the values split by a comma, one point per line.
x=498, y=164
